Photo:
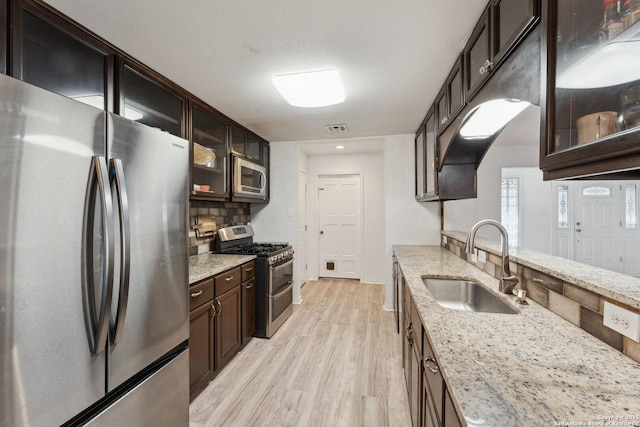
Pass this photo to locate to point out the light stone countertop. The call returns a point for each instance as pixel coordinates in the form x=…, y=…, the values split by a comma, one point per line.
x=527, y=369
x=207, y=265
x=619, y=287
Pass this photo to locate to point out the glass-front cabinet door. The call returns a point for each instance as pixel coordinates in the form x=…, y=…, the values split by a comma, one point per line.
x=592, y=117
x=49, y=53
x=147, y=101
x=209, y=134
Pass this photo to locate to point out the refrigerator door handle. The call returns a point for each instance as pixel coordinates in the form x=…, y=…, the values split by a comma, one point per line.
x=97, y=319
x=117, y=177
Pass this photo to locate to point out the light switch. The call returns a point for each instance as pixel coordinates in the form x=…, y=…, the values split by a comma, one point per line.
x=621, y=320
x=289, y=211
x=482, y=256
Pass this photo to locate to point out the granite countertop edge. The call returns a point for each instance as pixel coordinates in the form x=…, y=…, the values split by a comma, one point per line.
x=206, y=265
x=532, y=368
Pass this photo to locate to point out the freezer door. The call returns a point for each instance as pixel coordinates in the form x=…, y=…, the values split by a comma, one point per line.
x=162, y=400
x=156, y=318
x=47, y=146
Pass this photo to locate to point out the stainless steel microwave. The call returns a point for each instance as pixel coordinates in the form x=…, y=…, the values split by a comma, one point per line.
x=249, y=179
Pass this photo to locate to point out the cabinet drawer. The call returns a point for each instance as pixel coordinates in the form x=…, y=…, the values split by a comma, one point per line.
x=200, y=293
x=248, y=271
x=227, y=280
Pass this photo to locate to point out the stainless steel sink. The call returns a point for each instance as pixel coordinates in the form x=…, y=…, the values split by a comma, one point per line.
x=464, y=295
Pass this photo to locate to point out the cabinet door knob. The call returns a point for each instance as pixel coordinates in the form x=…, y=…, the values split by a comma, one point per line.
x=485, y=67
x=213, y=311
x=197, y=294
x=435, y=369
x=228, y=279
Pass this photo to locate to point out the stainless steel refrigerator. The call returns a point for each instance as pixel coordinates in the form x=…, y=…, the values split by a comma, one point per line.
x=93, y=266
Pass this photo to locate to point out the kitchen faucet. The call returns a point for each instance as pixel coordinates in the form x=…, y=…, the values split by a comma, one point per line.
x=507, y=280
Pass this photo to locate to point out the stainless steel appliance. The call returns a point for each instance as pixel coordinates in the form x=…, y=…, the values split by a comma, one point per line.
x=274, y=275
x=249, y=179
x=93, y=266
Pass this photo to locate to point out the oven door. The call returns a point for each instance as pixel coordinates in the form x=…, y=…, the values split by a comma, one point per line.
x=280, y=295
x=249, y=179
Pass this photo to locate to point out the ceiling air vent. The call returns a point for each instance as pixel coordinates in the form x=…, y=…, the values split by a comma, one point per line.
x=336, y=128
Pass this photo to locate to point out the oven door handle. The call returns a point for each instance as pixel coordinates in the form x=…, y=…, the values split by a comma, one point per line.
x=284, y=291
x=281, y=266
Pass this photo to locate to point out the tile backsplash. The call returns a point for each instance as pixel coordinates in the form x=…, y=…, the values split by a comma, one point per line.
x=226, y=213
x=579, y=306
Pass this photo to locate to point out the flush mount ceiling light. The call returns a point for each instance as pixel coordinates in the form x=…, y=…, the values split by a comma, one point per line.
x=490, y=117
x=310, y=89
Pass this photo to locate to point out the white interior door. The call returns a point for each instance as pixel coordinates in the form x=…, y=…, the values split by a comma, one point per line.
x=339, y=226
x=597, y=226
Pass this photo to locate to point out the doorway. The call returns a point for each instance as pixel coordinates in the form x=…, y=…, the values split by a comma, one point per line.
x=339, y=225
x=597, y=223
x=302, y=232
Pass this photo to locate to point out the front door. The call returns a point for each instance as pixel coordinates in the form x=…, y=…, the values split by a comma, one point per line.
x=339, y=226
x=597, y=226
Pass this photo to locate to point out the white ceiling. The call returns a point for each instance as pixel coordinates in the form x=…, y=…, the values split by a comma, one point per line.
x=392, y=56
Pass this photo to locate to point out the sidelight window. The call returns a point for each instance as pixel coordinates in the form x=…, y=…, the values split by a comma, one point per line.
x=563, y=206
x=509, y=206
x=630, y=211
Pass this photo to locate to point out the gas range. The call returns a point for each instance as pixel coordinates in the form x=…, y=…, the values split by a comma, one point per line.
x=238, y=239
x=274, y=275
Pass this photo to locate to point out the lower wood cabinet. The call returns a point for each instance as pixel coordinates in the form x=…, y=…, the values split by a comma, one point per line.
x=222, y=321
x=201, y=357
x=430, y=403
x=201, y=334
x=228, y=324
x=248, y=310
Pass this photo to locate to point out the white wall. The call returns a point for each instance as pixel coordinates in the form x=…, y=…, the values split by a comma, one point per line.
x=536, y=208
x=371, y=168
x=407, y=222
x=516, y=146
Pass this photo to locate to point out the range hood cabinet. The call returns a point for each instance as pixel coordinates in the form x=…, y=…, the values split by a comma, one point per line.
x=517, y=78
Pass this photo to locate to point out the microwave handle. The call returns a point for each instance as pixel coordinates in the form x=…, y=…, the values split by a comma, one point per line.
x=263, y=180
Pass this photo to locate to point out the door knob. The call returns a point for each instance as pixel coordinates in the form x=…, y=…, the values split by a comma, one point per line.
x=321, y=232
x=578, y=230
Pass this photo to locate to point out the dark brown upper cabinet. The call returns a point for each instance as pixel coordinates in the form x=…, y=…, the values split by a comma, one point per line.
x=3, y=36
x=512, y=20
x=426, y=159
x=478, y=55
x=591, y=102
x=450, y=99
x=210, y=153
x=147, y=98
x=247, y=144
x=51, y=53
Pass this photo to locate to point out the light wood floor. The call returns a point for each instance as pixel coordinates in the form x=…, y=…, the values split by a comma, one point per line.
x=335, y=362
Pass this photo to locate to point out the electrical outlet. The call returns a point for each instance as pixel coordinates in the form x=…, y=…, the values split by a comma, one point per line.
x=482, y=256
x=445, y=240
x=620, y=320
